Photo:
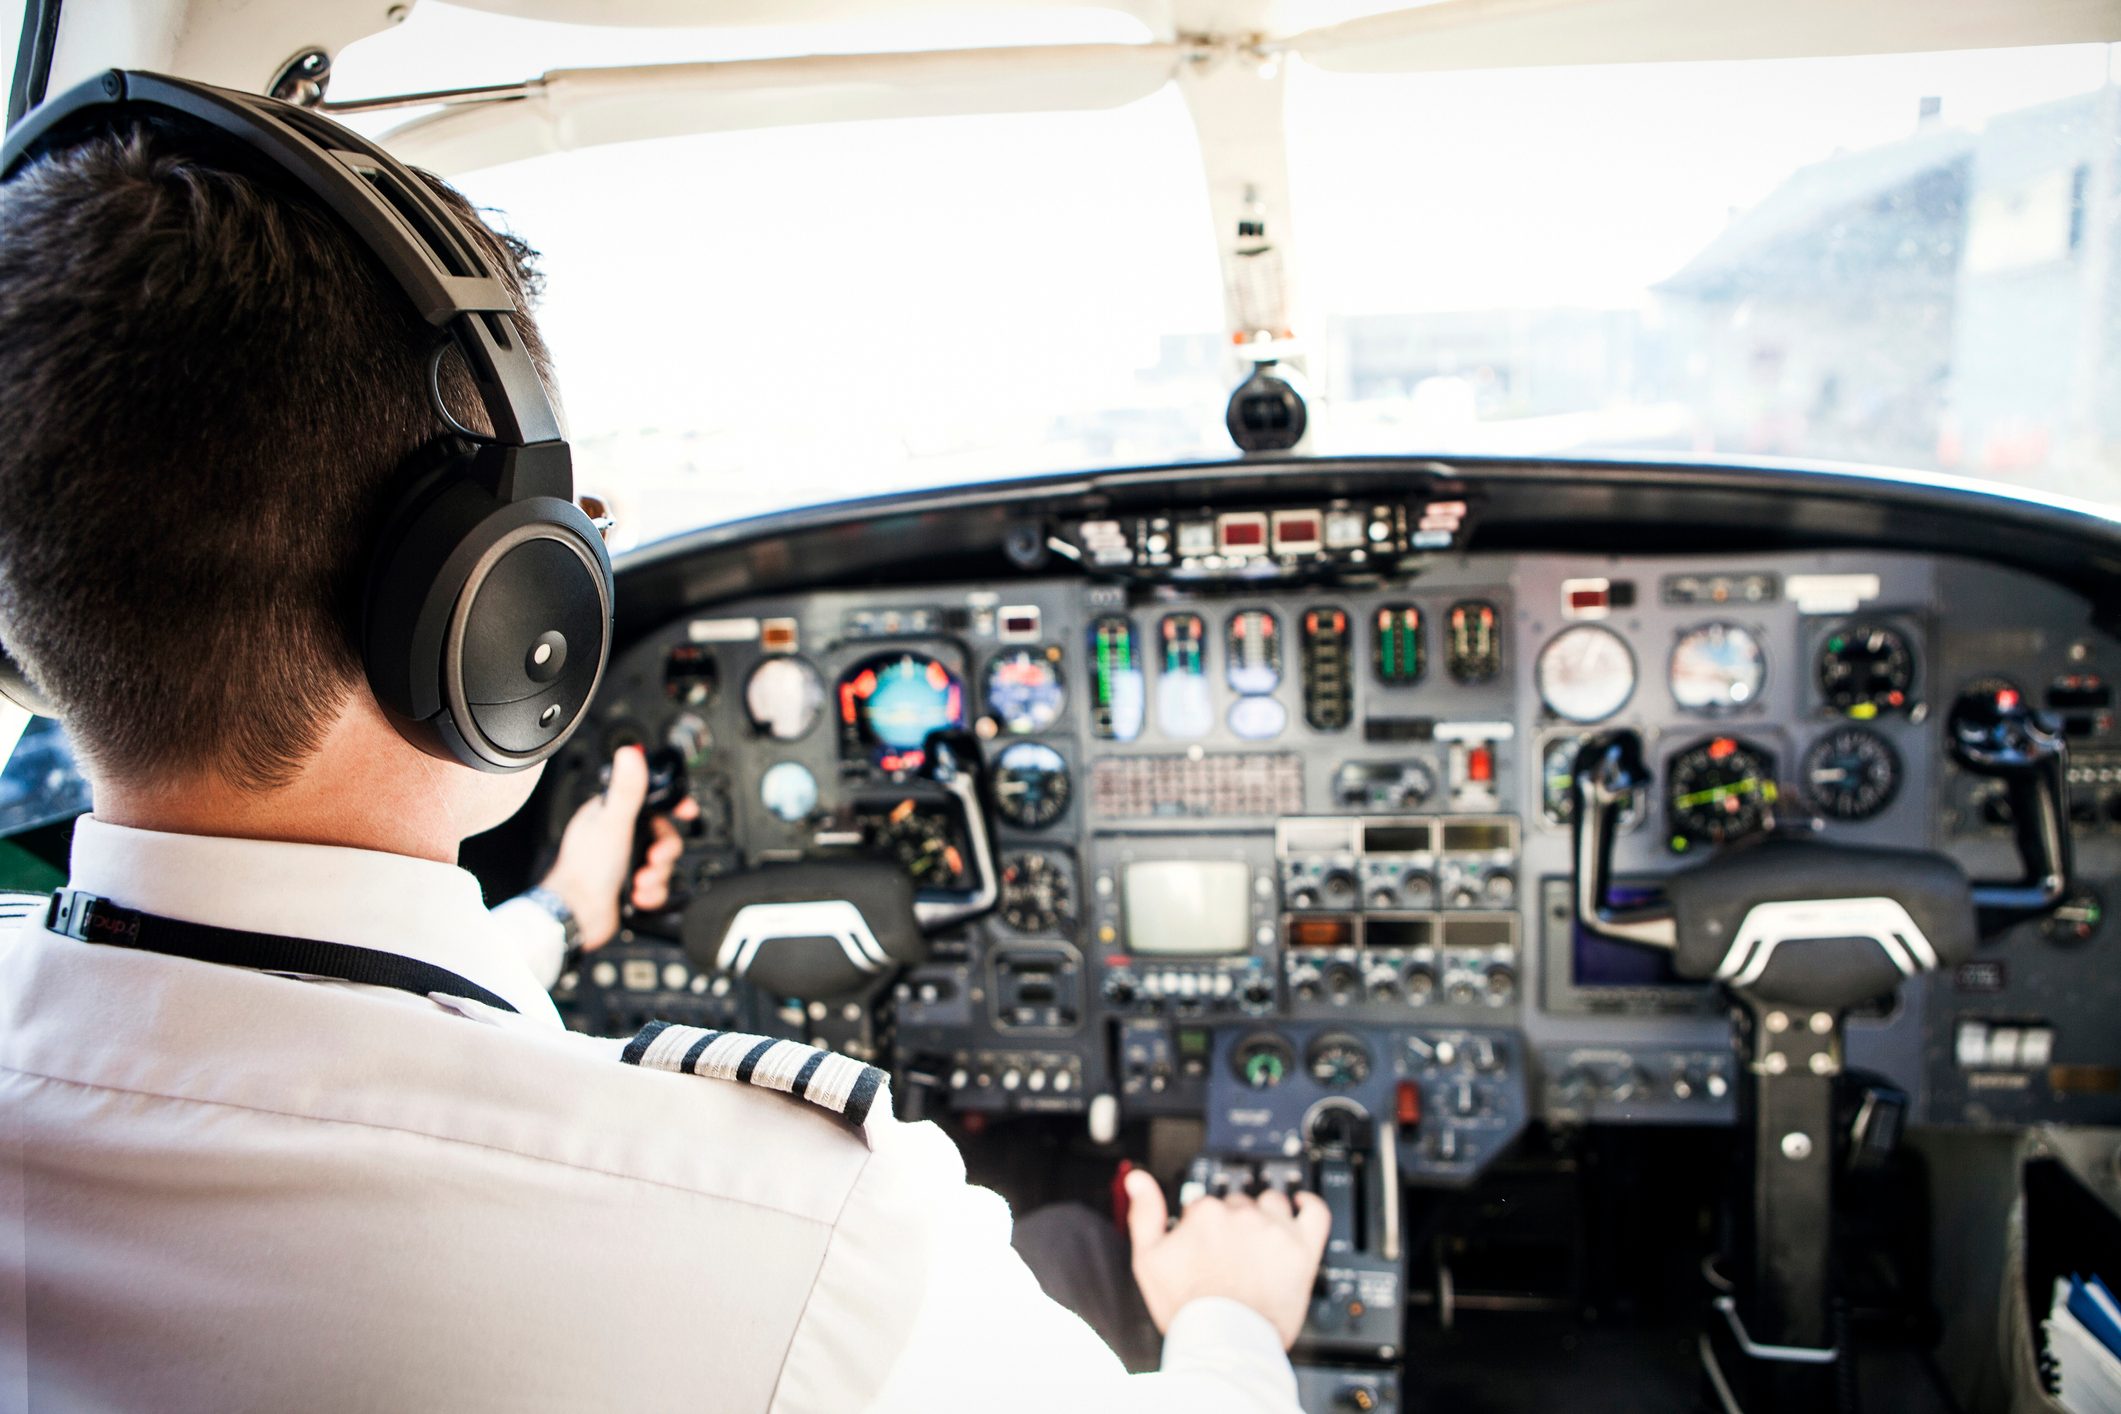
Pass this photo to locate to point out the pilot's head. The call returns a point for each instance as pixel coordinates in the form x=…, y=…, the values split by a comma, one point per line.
x=206, y=391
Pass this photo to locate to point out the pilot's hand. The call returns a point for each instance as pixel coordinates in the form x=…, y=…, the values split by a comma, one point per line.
x=596, y=852
x=1260, y=1252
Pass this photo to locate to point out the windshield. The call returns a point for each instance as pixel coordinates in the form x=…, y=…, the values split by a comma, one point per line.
x=1902, y=261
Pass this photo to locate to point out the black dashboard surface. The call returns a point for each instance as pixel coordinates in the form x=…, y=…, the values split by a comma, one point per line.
x=1276, y=763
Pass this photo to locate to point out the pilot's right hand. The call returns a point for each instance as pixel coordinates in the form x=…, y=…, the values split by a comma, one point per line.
x=1261, y=1252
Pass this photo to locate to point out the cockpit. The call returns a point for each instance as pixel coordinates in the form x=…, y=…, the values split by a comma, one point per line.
x=1506, y=615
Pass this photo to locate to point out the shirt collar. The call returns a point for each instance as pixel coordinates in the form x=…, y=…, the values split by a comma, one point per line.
x=416, y=908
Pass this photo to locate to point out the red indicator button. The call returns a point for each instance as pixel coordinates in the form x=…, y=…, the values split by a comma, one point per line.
x=1480, y=764
x=1580, y=599
x=1406, y=1105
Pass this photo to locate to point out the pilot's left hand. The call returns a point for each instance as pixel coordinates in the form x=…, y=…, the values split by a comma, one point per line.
x=596, y=852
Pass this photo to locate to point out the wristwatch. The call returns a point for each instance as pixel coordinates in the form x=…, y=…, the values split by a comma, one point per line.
x=552, y=903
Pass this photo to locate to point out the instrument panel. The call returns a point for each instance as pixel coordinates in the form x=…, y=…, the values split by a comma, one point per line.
x=1252, y=826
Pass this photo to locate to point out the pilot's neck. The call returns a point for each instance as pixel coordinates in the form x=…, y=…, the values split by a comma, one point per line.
x=365, y=788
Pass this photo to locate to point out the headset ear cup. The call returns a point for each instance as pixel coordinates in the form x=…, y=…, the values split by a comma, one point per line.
x=486, y=624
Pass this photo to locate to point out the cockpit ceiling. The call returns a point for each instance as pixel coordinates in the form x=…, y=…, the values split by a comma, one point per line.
x=245, y=45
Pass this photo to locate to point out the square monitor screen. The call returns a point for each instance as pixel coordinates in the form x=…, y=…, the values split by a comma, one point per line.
x=1187, y=907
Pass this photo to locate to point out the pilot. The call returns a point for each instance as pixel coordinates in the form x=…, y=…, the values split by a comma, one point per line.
x=236, y=1187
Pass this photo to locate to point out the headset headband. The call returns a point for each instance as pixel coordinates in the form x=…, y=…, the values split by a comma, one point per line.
x=423, y=247
x=382, y=202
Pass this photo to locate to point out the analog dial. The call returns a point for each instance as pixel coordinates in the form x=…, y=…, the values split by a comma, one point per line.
x=1586, y=673
x=1024, y=689
x=783, y=697
x=1263, y=1061
x=1036, y=894
x=1720, y=790
x=788, y=791
x=1717, y=668
x=892, y=704
x=1030, y=785
x=1337, y=1060
x=1852, y=774
x=1866, y=669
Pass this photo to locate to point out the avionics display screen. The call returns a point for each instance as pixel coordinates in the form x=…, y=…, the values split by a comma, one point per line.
x=1395, y=839
x=1187, y=907
x=1475, y=835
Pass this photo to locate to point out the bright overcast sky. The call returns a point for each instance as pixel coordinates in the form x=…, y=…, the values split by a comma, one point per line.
x=755, y=319
x=937, y=288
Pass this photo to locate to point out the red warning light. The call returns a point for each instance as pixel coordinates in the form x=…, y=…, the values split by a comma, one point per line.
x=2006, y=699
x=1721, y=747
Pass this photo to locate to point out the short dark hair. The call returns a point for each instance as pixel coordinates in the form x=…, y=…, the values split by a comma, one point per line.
x=206, y=385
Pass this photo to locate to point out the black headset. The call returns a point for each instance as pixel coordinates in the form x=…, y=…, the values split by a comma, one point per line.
x=486, y=620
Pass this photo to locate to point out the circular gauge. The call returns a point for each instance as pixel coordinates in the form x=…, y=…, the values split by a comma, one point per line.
x=1258, y=718
x=788, y=791
x=2075, y=920
x=1717, y=668
x=1263, y=1061
x=1337, y=1060
x=1865, y=669
x=784, y=698
x=1719, y=790
x=1031, y=785
x=1852, y=774
x=1585, y=673
x=894, y=703
x=1557, y=780
x=1024, y=689
x=1036, y=895
x=690, y=738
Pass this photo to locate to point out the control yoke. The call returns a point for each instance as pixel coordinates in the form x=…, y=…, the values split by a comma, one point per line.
x=1728, y=919
x=1798, y=932
x=827, y=929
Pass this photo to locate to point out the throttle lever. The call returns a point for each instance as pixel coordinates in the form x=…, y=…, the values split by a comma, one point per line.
x=1992, y=732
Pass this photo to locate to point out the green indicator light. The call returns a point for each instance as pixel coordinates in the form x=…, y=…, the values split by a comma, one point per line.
x=1679, y=844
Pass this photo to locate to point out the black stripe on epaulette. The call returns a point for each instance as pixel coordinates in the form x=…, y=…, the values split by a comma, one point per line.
x=839, y=1085
x=751, y=1060
x=638, y=1046
x=864, y=1094
x=802, y=1077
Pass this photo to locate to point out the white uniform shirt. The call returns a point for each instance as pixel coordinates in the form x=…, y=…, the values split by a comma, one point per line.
x=225, y=1190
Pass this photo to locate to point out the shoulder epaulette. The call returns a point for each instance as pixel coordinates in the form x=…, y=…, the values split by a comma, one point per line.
x=834, y=1083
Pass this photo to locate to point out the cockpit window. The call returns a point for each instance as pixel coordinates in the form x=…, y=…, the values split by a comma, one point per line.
x=753, y=320
x=1899, y=260
x=40, y=782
